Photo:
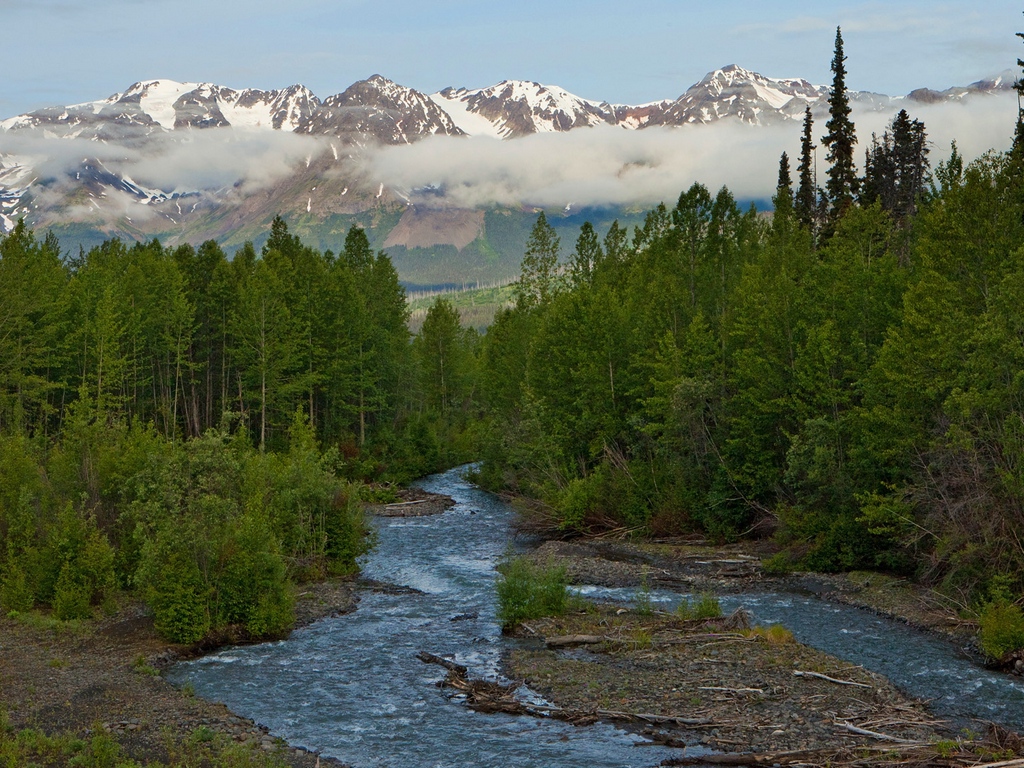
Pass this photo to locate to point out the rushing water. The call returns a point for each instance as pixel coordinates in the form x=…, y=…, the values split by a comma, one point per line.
x=351, y=687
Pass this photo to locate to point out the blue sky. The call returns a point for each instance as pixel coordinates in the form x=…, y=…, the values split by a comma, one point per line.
x=66, y=51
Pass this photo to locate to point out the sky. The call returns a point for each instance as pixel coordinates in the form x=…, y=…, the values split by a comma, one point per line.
x=58, y=52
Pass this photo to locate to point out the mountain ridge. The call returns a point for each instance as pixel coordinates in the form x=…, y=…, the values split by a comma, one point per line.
x=95, y=191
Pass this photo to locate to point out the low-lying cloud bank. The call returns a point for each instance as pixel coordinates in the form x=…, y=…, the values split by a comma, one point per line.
x=612, y=166
x=179, y=161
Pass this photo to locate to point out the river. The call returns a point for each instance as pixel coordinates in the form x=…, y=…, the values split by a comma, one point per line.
x=351, y=687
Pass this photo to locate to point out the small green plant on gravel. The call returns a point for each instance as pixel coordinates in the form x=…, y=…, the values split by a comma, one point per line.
x=143, y=667
x=946, y=748
x=779, y=564
x=642, y=639
x=642, y=598
x=705, y=606
x=188, y=690
x=528, y=591
x=57, y=663
x=202, y=735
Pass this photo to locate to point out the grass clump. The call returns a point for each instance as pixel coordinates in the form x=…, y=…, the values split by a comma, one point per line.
x=642, y=598
x=775, y=634
x=704, y=606
x=529, y=591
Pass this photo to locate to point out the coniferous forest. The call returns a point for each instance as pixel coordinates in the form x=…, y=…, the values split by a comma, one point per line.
x=845, y=376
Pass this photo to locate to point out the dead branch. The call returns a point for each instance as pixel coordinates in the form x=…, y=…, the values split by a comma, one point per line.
x=566, y=640
x=880, y=736
x=802, y=673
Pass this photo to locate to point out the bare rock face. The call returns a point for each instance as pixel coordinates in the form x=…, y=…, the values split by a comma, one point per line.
x=379, y=110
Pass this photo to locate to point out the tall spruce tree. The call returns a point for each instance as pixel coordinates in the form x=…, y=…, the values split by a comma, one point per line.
x=806, y=203
x=784, y=189
x=842, y=175
x=896, y=168
x=539, y=278
x=1018, y=136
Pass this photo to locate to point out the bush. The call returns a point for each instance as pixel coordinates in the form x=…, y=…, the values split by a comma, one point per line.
x=348, y=535
x=71, y=596
x=15, y=591
x=251, y=586
x=174, y=588
x=1002, y=628
x=527, y=591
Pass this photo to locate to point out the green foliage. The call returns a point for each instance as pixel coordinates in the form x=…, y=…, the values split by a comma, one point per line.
x=1002, y=628
x=1001, y=619
x=30, y=747
x=528, y=591
x=174, y=587
x=705, y=606
x=642, y=597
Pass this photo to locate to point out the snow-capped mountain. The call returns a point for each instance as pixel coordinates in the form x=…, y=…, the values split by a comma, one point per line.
x=370, y=110
x=514, y=108
x=734, y=92
x=379, y=109
x=161, y=122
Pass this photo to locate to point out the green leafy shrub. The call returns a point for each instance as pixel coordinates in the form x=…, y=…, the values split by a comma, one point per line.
x=527, y=591
x=1002, y=628
x=16, y=593
x=779, y=564
x=174, y=587
x=71, y=595
x=347, y=533
x=251, y=586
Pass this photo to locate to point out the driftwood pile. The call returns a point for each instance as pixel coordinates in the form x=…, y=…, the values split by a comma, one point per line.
x=488, y=697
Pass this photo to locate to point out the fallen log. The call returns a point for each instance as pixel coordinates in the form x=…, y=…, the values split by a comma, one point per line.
x=562, y=641
x=451, y=666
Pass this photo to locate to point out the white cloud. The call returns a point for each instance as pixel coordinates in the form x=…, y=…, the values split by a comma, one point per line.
x=179, y=161
x=612, y=166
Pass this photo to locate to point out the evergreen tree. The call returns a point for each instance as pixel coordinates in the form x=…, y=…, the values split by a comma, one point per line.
x=1018, y=135
x=443, y=357
x=842, y=175
x=783, y=199
x=538, y=279
x=896, y=168
x=586, y=256
x=805, y=205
